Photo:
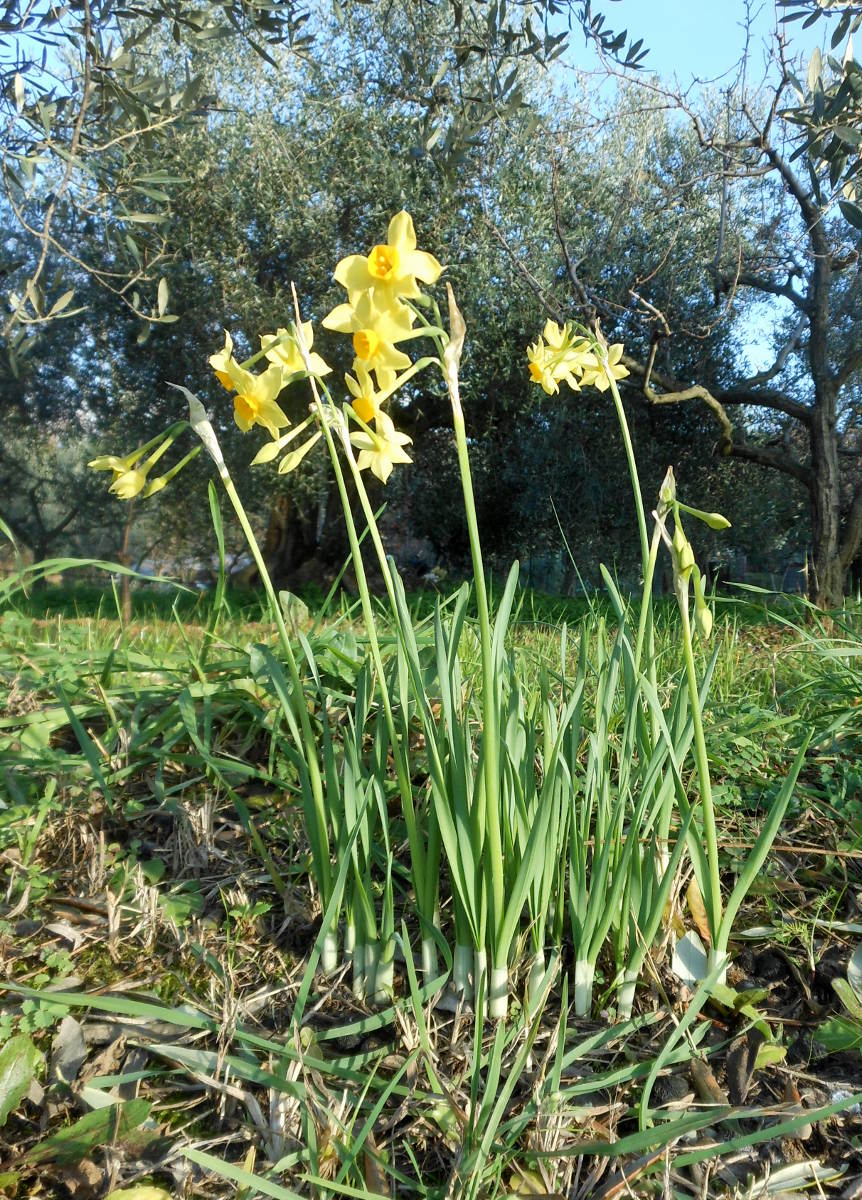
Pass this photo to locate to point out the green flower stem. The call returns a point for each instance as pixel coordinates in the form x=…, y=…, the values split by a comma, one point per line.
x=645, y=621
x=649, y=552
x=184, y=462
x=492, y=851
x=271, y=597
x=425, y=331
x=425, y=857
x=255, y=358
x=163, y=480
x=712, y=901
x=424, y=860
x=169, y=435
x=633, y=472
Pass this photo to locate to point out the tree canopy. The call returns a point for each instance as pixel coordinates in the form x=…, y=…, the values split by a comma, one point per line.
x=222, y=154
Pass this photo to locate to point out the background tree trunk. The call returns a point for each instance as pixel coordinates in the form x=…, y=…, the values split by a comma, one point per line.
x=828, y=577
x=304, y=543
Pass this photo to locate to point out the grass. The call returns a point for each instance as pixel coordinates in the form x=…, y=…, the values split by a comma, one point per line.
x=158, y=935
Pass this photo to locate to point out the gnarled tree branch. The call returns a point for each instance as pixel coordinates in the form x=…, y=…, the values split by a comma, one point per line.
x=761, y=283
x=770, y=398
x=765, y=456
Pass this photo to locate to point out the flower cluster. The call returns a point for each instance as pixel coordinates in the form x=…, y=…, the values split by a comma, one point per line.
x=377, y=316
x=256, y=394
x=563, y=355
x=130, y=472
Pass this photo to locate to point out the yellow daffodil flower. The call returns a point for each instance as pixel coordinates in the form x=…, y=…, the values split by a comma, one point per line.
x=541, y=367
x=573, y=354
x=366, y=401
x=391, y=269
x=220, y=363
x=281, y=348
x=607, y=368
x=375, y=332
x=551, y=366
x=381, y=448
x=563, y=355
x=254, y=402
x=129, y=479
x=129, y=484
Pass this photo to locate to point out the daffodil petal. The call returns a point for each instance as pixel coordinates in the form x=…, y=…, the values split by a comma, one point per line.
x=271, y=417
x=342, y=319
x=401, y=233
x=423, y=265
x=352, y=273
x=108, y=462
x=291, y=461
x=318, y=365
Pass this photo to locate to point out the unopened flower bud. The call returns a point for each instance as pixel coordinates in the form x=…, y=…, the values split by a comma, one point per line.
x=713, y=519
x=155, y=485
x=702, y=611
x=667, y=491
x=682, y=550
x=703, y=620
x=716, y=521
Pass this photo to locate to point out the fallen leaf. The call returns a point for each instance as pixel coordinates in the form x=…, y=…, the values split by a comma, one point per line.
x=741, y=1064
x=374, y=1179
x=705, y=1083
x=107, y=1061
x=697, y=908
x=19, y=1059
x=689, y=962
x=68, y=1051
x=84, y=1180
x=67, y=932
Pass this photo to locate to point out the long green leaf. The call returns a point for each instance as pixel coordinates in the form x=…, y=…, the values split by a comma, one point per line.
x=226, y=1170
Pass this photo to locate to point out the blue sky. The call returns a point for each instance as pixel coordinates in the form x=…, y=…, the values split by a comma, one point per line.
x=699, y=37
